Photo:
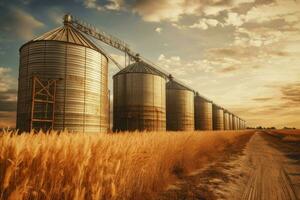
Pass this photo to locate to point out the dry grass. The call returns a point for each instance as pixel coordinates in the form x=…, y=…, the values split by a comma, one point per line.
x=288, y=132
x=121, y=166
x=291, y=138
x=287, y=135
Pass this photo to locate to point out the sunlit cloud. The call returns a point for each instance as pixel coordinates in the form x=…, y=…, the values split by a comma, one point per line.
x=18, y=24
x=206, y=23
x=93, y=4
x=158, y=29
x=8, y=98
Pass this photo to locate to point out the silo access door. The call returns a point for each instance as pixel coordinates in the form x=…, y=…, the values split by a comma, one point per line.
x=42, y=104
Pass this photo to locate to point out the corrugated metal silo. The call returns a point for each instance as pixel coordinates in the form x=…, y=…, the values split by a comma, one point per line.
x=218, y=117
x=236, y=123
x=242, y=124
x=226, y=120
x=180, y=107
x=80, y=71
x=203, y=113
x=234, y=126
x=230, y=121
x=139, y=99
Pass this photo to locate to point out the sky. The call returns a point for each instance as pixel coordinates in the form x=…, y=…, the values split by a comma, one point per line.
x=242, y=54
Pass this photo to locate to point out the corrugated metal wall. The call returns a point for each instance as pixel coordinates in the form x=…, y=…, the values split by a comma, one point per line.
x=82, y=92
x=203, y=113
x=230, y=121
x=235, y=126
x=180, y=108
x=226, y=121
x=218, y=118
x=139, y=102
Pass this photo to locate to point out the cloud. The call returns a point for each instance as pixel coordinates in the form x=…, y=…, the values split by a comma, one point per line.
x=258, y=36
x=173, y=10
x=291, y=93
x=179, y=26
x=18, y=24
x=156, y=11
x=232, y=52
x=114, y=4
x=205, y=23
x=183, y=69
x=246, y=55
x=93, y=4
x=120, y=59
x=7, y=119
x=262, y=99
x=234, y=19
x=275, y=10
x=215, y=10
x=158, y=29
x=8, y=98
x=6, y=80
x=228, y=69
x=8, y=92
x=2, y=52
x=56, y=14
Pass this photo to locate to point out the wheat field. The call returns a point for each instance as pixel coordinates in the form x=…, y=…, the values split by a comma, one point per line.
x=102, y=166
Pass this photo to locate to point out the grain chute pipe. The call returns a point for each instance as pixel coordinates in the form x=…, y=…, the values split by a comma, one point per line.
x=100, y=35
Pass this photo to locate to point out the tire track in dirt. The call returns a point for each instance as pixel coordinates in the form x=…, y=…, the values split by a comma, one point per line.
x=259, y=172
x=268, y=179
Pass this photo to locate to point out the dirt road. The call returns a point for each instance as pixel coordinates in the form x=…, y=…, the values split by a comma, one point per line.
x=272, y=174
x=265, y=170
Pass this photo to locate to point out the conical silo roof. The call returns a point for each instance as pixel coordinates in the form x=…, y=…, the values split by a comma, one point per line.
x=67, y=33
x=140, y=67
x=176, y=86
x=197, y=95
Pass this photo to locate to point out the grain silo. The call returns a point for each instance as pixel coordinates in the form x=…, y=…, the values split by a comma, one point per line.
x=180, y=107
x=233, y=122
x=62, y=83
x=230, y=121
x=236, y=123
x=226, y=120
x=203, y=113
x=218, y=117
x=139, y=99
x=241, y=124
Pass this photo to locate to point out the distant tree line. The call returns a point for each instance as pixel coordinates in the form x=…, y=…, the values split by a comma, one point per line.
x=271, y=128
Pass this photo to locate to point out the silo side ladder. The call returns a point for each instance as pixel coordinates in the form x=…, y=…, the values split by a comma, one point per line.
x=43, y=95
